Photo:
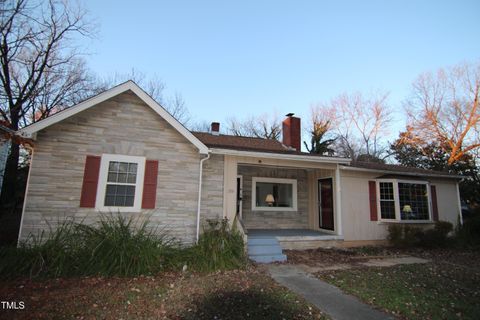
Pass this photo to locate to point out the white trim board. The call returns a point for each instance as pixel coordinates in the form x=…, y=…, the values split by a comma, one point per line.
x=413, y=174
x=29, y=131
x=102, y=183
x=292, y=182
x=280, y=156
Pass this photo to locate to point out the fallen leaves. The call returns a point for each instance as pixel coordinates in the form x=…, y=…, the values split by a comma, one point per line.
x=235, y=294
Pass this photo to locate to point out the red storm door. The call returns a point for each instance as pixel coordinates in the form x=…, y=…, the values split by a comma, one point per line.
x=325, y=203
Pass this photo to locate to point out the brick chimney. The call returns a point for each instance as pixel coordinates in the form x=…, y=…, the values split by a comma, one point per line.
x=215, y=128
x=291, y=132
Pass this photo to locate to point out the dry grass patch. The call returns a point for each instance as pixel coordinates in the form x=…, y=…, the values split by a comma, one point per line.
x=236, y=294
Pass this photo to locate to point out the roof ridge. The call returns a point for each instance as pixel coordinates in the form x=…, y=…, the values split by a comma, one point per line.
x=235, y=136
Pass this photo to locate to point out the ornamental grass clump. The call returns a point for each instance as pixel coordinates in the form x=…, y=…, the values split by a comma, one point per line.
x=116, y=246
x=219, y=248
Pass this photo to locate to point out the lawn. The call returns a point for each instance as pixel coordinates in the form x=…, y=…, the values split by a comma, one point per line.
x=446, y=288
x=237, y=294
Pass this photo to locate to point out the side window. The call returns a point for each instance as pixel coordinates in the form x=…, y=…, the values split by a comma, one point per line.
x=120, y=183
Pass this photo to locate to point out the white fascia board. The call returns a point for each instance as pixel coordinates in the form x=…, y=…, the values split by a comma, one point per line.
x=121, y=88
x=413, y=174
x=282, y=156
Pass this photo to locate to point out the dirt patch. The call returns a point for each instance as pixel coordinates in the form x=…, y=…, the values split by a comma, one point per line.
x=338, y=258
x=321, y=256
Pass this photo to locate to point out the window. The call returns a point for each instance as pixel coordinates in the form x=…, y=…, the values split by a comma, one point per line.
x=272, y=194
x=120, y=184
x=404, y=200
x=413, y=201
x=387, y=200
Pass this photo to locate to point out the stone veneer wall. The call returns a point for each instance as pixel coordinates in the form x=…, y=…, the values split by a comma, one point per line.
x=122, y=125
x=212, y=188
x=274, y=219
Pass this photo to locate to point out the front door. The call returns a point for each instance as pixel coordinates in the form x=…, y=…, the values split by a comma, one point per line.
x=325, y=203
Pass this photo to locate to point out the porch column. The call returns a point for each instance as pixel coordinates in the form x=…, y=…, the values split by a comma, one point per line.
x=230, y=188
x=338, y=200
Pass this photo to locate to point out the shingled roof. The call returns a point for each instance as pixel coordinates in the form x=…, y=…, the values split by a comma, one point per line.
x=242, y=143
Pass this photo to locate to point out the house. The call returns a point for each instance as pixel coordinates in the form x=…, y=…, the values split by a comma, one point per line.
x=120, y=151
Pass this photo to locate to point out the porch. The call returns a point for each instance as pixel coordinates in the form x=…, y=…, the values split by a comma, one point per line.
x=295, y=239
x=283, y=202
x=290, y=203
x=267, y=245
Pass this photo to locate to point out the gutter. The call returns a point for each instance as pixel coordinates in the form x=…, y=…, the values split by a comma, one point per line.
x=280, y=156
x=413, y=174
x=26, y=146
x=200, y=178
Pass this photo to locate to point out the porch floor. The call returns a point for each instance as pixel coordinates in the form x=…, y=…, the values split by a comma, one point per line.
x=267, y=233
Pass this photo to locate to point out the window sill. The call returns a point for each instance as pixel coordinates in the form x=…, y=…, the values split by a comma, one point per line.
x=405, y=222
x=275, y=209
x=118, y=209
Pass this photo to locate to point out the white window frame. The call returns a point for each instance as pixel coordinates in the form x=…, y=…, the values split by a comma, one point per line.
x=102, y=183
x=293, y=182
x=395, y=199
x=398, y=218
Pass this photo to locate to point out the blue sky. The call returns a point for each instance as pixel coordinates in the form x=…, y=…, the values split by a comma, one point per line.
x=252, y=57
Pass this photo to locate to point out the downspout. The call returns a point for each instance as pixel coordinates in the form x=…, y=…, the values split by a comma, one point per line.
x=459, y=204
x=26, y=146
x=338, y=200
x=200, y=195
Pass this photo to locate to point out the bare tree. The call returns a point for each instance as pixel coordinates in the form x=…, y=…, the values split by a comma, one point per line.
x=444, y=107
x=155, y=87
x=201, y=126
x=264, y=126
x=59, y=89
x=360, y=123
x=321, y=135
x=39, y=66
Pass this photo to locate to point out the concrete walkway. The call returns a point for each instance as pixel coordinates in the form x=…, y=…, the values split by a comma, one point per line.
x=326, y=297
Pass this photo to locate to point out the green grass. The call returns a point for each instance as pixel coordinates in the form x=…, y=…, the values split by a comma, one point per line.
x=427, y=291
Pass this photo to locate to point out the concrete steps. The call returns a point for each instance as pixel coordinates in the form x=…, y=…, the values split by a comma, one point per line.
x=265, y=249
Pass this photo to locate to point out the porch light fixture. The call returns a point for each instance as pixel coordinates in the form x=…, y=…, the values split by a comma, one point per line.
x=270, y=199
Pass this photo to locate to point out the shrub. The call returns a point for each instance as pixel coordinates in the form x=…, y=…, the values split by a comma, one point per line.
x=443, y=227
x=395, y=234
x=436, y=237
x=402, y=235
x=219, y=247
x=118, y=246
x=468, y=234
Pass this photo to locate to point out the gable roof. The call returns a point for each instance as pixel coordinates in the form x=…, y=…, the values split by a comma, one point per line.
x=255, y=147
x=241, y=143
x=399, y=170
x=121, y=88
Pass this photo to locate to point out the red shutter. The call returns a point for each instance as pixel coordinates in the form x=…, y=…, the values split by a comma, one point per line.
x=150, y=184
x=90, y=182
x=372, y=192
x=433, y=193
